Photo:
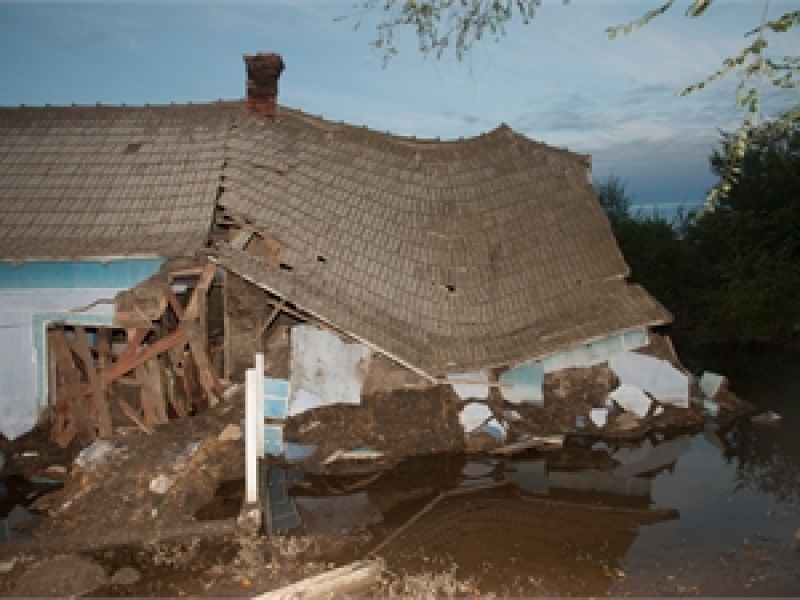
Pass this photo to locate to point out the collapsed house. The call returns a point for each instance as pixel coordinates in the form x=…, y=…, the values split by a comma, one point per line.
x=146, y=254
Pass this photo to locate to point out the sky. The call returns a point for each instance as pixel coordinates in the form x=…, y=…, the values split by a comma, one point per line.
x=559, y=80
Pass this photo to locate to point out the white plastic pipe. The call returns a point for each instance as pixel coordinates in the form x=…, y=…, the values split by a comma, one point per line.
x=259, y=417
x=252, y=381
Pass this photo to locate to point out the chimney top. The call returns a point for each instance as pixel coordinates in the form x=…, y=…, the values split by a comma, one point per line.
x=263, y=72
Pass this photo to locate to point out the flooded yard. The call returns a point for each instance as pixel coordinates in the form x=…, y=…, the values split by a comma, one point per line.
x=711, y=511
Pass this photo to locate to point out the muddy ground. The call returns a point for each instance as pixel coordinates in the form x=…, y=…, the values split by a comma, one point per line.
x=135, y=521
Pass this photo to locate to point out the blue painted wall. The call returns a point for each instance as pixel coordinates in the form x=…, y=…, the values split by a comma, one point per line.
x=124, y=273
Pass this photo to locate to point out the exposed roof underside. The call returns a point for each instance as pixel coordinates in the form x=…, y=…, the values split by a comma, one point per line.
x=448, y=255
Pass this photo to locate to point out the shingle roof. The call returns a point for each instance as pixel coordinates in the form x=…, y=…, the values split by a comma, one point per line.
x=448, y=255
x=108, y=181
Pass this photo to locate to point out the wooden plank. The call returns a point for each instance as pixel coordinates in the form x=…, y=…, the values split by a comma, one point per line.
x=175, y=303
x=170, y=391
x=208, y=379
x=129, y=412
x=69, y=391
x=200, y=290
x=81, y=348
x=119, y=368
x=269, y=320
x=135, y=339
x=341, y=582
x=151, y=394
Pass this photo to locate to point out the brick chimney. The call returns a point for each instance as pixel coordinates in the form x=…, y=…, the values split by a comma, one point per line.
x=263, y=72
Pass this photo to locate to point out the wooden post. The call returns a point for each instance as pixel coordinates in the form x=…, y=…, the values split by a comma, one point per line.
x=81, y=347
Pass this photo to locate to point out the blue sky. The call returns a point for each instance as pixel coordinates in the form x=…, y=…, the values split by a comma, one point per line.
x=558, y=80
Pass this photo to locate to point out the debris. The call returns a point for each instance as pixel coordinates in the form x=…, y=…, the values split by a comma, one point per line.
x=7, y=566
x=767, y=418
x=29, y=454
x=232, y=391
x=341, y=582
x=580, y=421
x=96, y=454
x=599, y=416
x=632, y=399
x=56, y=470
x=711, y=407
x=547, y=442
x=161, y=484
x=711, y=383
x=11, y=525
x=298, y=452
x=183, y=457
x=231, y=433
x=355, y=454
x=125, y=576
x=658, y=377
x=2, y=461
x=658, y=411
x=304, y=429
x=512, y=415
x=626, y=421
x=494, y=428
x=473, y=415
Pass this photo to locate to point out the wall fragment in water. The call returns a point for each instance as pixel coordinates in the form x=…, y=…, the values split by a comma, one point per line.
x=332, y=515
x=657, y=377
x=324, y=369
x=631, y=399
x=647, y=457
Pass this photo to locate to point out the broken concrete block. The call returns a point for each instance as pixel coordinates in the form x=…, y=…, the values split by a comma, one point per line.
x=632, y=399
x=95, y=454
x=711, y=383
x=653, y=375
x=473, y=415
x=231, y=433
x=161, y=484
x=599, y=416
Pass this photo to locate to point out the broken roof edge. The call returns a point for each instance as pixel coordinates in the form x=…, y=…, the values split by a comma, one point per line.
x=439, y=377
x=329, y=323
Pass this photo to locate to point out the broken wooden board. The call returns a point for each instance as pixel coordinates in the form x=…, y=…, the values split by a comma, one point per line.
x=338, y=583
x=103, y=415
x=71, y=403
x=545, y=442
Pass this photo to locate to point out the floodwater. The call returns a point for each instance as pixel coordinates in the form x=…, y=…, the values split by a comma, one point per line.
x=712, y=512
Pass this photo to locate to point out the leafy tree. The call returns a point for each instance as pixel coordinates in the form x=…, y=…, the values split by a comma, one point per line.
x=614, y=199
x=750, y=243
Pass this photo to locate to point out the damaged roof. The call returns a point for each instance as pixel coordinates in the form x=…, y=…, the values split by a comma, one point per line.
x=449, y=256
